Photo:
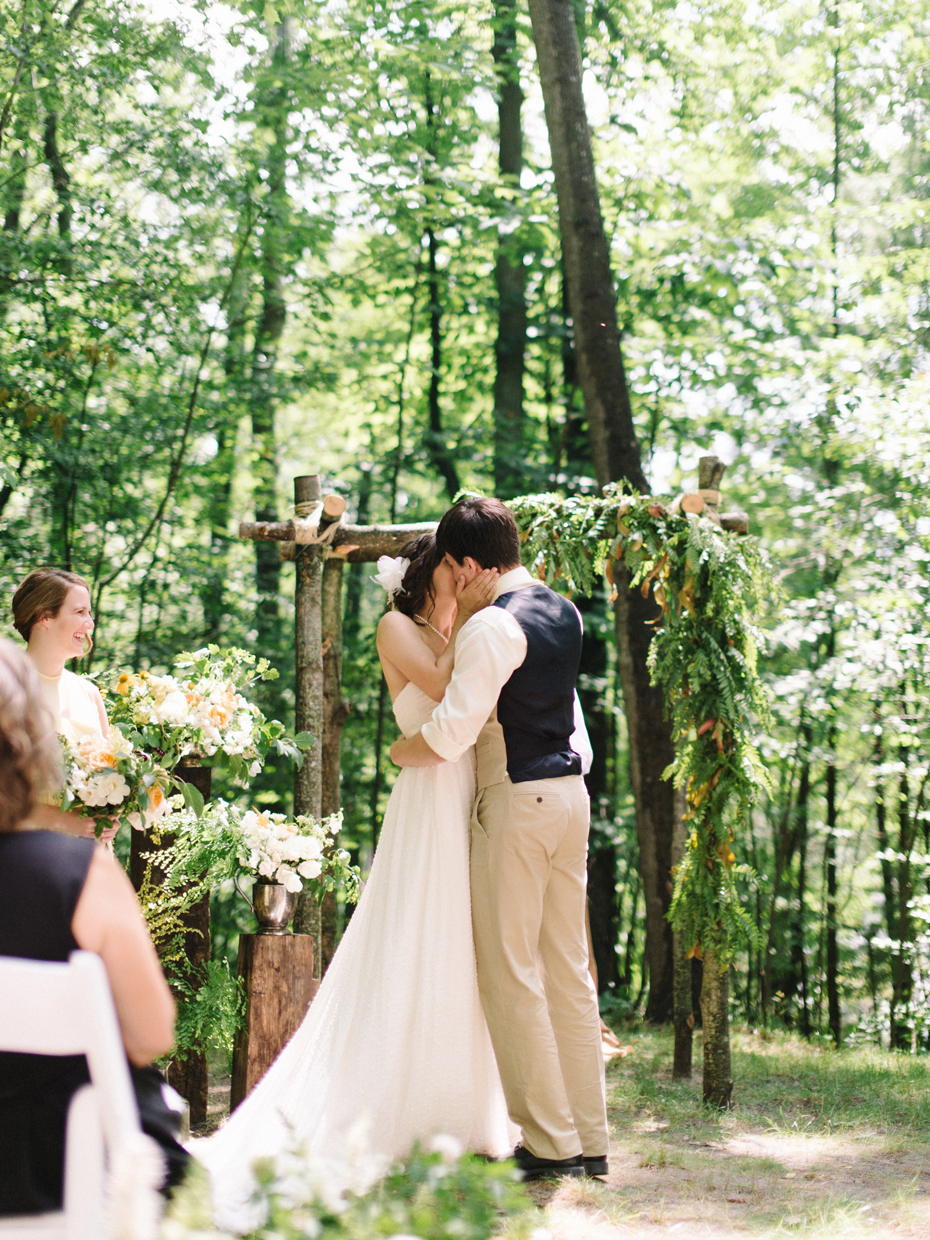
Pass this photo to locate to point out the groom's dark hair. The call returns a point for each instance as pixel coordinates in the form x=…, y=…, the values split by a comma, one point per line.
x=482, y=528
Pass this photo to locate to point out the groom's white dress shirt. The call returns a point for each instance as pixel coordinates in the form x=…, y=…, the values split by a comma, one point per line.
x=488, y=650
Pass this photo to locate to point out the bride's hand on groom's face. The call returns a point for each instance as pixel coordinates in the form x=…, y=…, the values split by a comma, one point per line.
x=472, y=596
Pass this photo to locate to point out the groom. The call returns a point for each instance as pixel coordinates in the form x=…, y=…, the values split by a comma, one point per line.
x=512, y=696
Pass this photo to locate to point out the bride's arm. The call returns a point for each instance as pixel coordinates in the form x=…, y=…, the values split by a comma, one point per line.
x=401, y=646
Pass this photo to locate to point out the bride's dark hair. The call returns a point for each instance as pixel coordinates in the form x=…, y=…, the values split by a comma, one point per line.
x=417, y=586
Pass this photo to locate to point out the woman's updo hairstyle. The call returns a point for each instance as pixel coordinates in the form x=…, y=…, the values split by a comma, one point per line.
x=417, y=587
x=30, y=759
x=42, y=593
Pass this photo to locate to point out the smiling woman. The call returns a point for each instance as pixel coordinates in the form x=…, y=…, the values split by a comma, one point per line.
x=51, y=611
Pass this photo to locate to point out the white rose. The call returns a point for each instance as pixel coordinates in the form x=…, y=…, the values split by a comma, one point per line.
x=115, y=787
x=310, y=869
x=108, y=788
x=290, y=850
x=267, y=868
x=289, y=879
x=310, y=848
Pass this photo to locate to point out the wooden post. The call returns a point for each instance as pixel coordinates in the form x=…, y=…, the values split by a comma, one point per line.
x=277, y=973
x=335, y=713
x=308, y=688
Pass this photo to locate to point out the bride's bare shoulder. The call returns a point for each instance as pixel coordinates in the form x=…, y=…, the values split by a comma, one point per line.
x=396, y=624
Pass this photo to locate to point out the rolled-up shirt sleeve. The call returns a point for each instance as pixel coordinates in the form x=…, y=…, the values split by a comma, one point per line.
x=489, y=649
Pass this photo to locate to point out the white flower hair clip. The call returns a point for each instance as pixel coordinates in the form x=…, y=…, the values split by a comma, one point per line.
x=390, y=574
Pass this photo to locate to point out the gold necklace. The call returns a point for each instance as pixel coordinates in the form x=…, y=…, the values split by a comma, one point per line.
x=417, y=616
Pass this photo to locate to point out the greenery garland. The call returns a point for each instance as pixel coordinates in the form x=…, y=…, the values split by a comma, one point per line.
x=707, y=584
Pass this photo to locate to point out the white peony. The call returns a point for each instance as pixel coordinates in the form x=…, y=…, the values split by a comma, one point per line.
x=310, y=869
x=390, y=574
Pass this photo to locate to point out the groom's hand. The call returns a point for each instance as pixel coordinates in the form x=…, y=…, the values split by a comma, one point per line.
x=414, y=751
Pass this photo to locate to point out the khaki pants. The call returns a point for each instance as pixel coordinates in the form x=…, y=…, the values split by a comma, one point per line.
x=528, y=881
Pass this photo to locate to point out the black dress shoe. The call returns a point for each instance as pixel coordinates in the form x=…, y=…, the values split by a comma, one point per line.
x=534, y=1168
x=595, y=1166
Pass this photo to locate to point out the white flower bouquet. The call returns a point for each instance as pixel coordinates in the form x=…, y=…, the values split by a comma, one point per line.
x=109, y=777
x=200, y=710
x=282, y=850
x=228, y=842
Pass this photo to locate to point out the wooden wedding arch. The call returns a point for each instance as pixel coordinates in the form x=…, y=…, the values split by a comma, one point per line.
x=320, y=543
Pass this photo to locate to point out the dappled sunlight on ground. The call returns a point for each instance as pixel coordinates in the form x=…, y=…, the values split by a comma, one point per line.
x=818, y=1145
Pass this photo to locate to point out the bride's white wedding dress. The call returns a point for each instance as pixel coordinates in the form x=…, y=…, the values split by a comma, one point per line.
x=396, y=1032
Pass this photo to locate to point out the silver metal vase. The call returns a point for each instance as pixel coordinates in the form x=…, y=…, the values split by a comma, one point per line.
x=274, y=907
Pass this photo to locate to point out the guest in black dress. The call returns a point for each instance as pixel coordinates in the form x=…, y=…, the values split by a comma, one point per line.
x=59, y=893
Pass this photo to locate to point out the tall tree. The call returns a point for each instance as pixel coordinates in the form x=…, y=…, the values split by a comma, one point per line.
x=616, y=454
x=272, y=105
x=509, y=269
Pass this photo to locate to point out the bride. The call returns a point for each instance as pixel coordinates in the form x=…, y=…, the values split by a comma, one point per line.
x=396, y=1035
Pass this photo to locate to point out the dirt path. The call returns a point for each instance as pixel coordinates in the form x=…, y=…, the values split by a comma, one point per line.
x=791, y=1160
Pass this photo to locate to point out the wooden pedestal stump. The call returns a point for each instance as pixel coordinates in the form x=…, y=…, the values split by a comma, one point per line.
x=276, y=971
x=187, y=1074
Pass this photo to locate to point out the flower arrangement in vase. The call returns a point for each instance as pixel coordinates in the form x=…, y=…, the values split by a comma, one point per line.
x=228, y=842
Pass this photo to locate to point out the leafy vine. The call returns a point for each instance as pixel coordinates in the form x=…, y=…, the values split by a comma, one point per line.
x=707, y=584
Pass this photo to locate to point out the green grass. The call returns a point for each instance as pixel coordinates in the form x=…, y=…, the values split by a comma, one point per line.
x=818, y=1143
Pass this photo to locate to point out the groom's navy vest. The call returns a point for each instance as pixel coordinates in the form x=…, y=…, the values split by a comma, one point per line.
x=536, y=705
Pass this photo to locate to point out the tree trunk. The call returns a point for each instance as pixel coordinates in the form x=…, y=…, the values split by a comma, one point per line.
x=833, y=991
x=335, y=713
x=509, y=462
x=718, y=1084
x=903, y=979
x=213, y=591
x=799, y=944
x=436, y=446
x=585, y=251
x=61, y=182
x=616, y=456
x=651, y=752
x=271, y=108
x=683, y=1012
x=881, y=829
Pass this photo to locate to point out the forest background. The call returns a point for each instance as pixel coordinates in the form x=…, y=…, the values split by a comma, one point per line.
x=241, y=244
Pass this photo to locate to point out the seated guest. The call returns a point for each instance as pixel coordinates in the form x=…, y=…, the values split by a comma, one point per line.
x=59, y=893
